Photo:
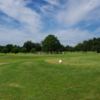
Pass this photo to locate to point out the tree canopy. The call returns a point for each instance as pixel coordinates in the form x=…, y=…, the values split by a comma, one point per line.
x=89, y=45
x=51, y=44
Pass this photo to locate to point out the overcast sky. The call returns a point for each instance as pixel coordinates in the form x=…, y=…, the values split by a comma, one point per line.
x=72, y=21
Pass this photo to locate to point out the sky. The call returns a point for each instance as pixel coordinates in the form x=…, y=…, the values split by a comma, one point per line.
x=72, y=21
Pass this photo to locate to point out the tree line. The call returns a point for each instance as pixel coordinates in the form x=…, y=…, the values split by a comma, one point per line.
x=89, y=45
x=51, y=44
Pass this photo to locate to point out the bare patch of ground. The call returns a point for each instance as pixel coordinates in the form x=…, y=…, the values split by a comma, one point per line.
x=16, y=85
x=3, y=63
x=72, y=62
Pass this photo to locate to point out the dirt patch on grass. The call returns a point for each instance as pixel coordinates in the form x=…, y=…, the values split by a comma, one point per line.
x=3, y=63
x=73, y=62
x=16, y=85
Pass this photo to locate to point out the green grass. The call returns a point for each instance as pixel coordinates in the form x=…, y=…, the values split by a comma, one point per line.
x=41, y=77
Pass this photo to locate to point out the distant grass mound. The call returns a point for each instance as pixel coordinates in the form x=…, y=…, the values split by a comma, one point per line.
x=41, y=77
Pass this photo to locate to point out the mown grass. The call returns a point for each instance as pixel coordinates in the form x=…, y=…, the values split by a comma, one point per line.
x=41, y=77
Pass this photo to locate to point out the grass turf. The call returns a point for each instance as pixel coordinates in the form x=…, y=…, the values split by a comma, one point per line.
x=41, y=77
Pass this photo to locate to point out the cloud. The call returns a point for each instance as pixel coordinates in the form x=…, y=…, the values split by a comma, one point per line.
x=73, y=36
x=15, y=36
x=24, y=22
x=53, y=2
x=29, y=23
x=76, y=11
x=17, y=10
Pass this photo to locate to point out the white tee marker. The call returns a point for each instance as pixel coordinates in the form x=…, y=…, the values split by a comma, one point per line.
x=60, y=61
